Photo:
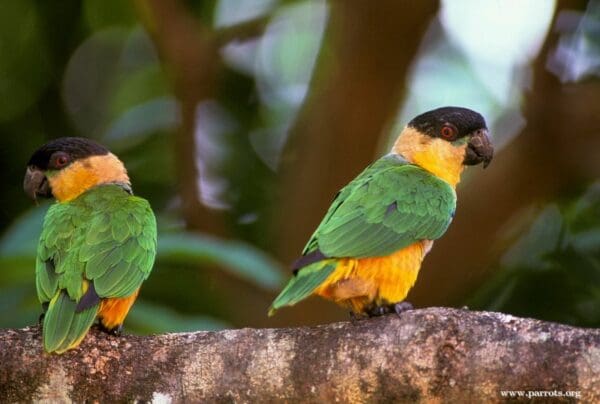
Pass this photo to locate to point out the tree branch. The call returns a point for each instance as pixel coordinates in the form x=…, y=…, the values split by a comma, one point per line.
x=435, y=354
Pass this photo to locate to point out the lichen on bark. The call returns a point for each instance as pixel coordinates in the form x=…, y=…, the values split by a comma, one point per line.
x=435, y=354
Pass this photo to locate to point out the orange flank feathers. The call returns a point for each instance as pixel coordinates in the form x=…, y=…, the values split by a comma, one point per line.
x=359, y=282
x=113, y=311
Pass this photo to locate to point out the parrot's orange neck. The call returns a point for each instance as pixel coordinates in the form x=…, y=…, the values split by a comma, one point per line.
x=439, y=157
x=81, y=175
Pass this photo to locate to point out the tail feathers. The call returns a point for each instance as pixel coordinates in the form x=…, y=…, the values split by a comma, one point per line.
x=64, y=328
x=303, y=284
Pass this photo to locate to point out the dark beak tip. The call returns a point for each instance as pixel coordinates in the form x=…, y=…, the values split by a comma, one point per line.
x=35, y=184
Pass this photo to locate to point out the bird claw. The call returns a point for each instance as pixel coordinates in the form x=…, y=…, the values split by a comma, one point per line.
x=382, y=310
x=354, y=317
x=401, y=307
x=117, y=331
x=378, y=311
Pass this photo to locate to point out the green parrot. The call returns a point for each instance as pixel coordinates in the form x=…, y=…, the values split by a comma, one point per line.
x=367, y=252
x=98, y=241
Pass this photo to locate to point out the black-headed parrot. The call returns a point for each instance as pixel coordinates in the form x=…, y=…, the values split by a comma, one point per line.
x=366, y=253
x=98, y=241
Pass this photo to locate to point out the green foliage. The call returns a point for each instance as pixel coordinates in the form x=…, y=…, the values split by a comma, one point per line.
x=552, y=271
x=100, y=14
x=238, y=258
x=147, y=318
x=24, y=65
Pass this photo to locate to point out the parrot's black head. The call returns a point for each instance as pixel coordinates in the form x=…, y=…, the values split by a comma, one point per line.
x=455, y=123
x=68, y=161
x=61, y=152
x=445, y=140
x=463, y=120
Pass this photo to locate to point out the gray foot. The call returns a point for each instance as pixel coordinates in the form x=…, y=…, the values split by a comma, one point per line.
x=401, y=307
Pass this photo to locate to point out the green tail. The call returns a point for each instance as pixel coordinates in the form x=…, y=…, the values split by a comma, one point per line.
x=63, y=327
x=303, y=284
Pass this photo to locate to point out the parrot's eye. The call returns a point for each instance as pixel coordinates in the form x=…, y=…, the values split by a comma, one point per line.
x=448, y=132
x=59, y=160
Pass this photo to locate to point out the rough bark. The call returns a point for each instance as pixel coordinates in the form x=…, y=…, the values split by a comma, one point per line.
x=430, y=355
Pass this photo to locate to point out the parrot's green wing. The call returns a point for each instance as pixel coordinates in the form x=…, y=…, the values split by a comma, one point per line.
x=63, y=326
x=393, y=206
x=100, y=245
x=389, y=206
x=120, y=246
x=302, y=284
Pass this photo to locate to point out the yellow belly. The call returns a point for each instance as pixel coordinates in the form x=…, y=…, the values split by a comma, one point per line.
x=358, y=282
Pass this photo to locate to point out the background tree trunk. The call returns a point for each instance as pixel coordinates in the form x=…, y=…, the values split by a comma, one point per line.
x=538, y=166
x=190, y=51
x=435, y=354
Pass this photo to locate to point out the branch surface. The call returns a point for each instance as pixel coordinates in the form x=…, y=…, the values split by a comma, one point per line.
x=429, y=355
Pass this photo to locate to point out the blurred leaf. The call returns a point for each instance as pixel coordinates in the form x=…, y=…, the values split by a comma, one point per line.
x=20, y=240
x=143, y=120
x=231, y=12
x=543, y=236
x=287, y=53
x=19, y=306
x=108, y=70
x=587, y=242
x=238, y=258
x=89, y=80
x=17, y=270
x=585, y=212
x=142, y=83
x=18, y=245
x=25, y=64
x=148, y=318
x=552, y=271
x=100, y=14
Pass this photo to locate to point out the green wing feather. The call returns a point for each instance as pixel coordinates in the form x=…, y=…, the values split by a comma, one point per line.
x=105, y=236
x=64, y=328
x=389, y=206
x=303, y=284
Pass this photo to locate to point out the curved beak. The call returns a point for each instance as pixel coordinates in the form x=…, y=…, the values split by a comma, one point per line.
x=36, y=184
x=479, y=149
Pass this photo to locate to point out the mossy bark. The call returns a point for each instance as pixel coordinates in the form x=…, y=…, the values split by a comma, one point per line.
x=430, y=355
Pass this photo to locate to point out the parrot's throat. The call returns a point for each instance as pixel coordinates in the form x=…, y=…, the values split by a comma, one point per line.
x=437, y=156
x=81, y=175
